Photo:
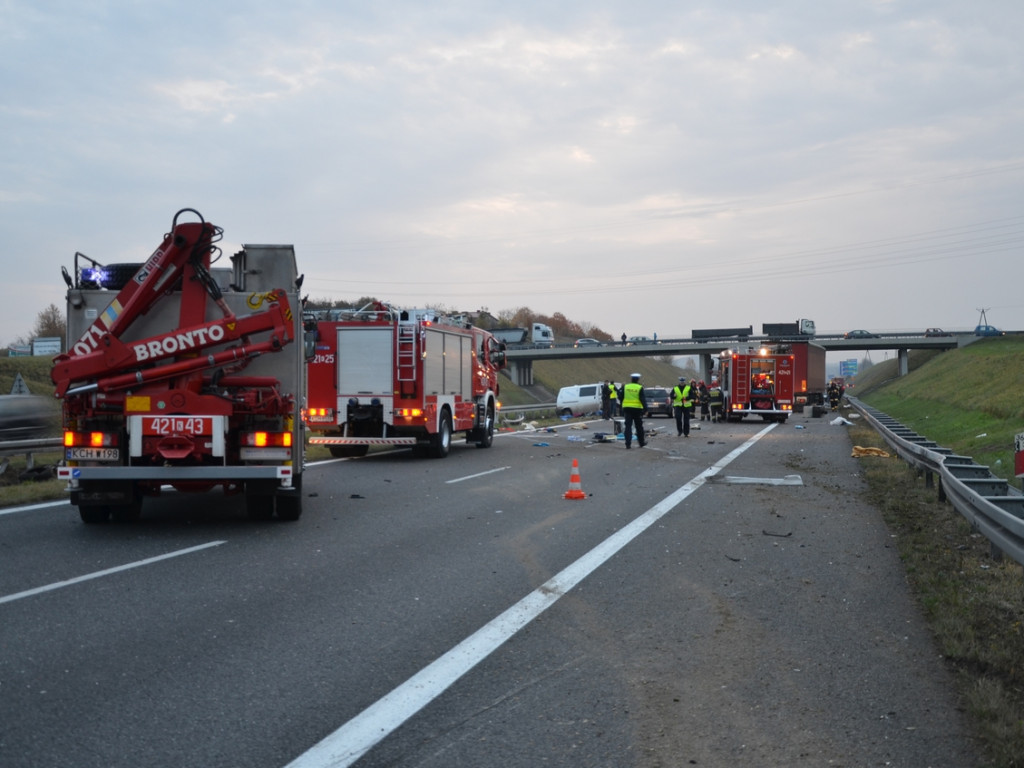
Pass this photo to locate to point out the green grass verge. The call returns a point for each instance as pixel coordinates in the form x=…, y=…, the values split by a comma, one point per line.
x=968, y=400
x=972, y=601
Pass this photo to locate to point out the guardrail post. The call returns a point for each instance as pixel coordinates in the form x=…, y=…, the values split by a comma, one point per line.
x=942, y=491
x=995, y=552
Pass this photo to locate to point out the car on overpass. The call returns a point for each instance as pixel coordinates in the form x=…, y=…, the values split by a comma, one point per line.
x=936, y=332
x=860, y=334
x=988, y=330
x=587, y=343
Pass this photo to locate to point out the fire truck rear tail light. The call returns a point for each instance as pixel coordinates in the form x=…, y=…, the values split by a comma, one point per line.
x=89, y=439
x=267, y=439
x=320, y=414
x=409, y=412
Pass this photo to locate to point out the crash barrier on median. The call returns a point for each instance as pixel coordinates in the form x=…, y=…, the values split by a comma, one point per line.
x=10, y=448
x=992, y=506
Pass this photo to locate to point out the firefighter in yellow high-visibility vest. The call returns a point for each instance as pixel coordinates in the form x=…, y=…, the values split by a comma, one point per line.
x=613, y=398
x=634, y=403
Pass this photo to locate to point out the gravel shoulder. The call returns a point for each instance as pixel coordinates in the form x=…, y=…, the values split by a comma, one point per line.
x=783, y=631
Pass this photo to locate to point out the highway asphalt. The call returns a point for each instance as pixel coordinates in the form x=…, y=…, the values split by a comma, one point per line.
x=727, y=599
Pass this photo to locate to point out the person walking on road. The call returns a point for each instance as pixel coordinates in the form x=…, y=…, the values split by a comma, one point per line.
x=681, y=404
x=606, y=400
x=634, y=403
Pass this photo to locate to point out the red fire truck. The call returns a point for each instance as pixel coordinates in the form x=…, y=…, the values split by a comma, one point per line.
x=770, y=381
x=184, y=374
x=386, y=376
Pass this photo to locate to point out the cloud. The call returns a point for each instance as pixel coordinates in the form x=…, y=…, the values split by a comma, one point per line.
x=458, y=155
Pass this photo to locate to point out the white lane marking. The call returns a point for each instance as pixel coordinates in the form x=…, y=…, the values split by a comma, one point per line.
x=107, y=572
x=29, y=508
x=360, y=734
x=478, y=474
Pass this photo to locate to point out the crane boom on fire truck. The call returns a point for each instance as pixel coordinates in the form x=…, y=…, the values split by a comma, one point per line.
x=163, y=383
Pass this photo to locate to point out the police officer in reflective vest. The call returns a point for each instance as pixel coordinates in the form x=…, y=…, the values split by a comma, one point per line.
x=634, y=403
x=613, y=398
x=682, y=402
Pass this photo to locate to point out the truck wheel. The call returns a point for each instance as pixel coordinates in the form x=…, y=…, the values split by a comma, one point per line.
x=289, y=503
x=92, y=514
x=486, y=431
x=441, y=443
x=127, y=513
x=259, y=501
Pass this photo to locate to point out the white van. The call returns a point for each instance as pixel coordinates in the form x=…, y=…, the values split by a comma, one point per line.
x=578, y=399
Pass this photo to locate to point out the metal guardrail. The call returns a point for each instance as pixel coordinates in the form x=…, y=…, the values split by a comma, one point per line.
x=27, y=447
x=10, y=447
x=992, y=506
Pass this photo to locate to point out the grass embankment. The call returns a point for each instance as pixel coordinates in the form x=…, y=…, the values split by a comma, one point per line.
x=968, y=400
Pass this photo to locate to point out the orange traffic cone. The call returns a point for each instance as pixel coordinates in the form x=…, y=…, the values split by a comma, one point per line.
x=575, y=489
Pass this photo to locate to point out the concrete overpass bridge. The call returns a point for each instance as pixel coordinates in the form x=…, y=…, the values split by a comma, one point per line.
x=521, y=356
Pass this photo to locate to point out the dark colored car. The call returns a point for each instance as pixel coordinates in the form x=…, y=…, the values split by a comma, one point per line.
x=859, y=334
x=659, y=401
x=24, y=417
x=988, y=330
x=936, y=332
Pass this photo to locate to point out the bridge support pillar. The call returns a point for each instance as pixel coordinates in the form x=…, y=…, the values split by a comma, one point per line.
x=707, y=365
x=521, y=372
x=903, y=362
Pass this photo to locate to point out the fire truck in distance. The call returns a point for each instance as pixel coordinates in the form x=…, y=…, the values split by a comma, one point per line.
x=773, y=380
x=387, y=376
x=183, y=374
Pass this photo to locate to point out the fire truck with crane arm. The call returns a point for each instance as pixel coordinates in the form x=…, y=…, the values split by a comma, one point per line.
x=387, y=376
x=189, y=376
x=773, y=380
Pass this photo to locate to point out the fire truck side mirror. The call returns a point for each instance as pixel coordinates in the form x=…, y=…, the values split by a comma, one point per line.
x=309, y=339
x=497, y=353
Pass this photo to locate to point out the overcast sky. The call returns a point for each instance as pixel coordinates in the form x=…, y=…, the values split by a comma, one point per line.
x=640, y=166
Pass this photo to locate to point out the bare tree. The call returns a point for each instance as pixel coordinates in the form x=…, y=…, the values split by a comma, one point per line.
x=50, y=322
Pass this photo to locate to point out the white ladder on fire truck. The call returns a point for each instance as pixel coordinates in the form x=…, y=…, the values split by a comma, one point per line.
x=406, y=352
x=742, y=376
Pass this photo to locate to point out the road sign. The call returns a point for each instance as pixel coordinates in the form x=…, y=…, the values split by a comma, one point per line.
x=19, y=387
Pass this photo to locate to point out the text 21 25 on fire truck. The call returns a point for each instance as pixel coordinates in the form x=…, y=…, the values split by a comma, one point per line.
x=773, y=380
x=178, y=373
x=387, y=376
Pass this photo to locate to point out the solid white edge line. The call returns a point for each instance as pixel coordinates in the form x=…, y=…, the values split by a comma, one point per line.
x=107, y=572
x=30, y=507
x=364, y=731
